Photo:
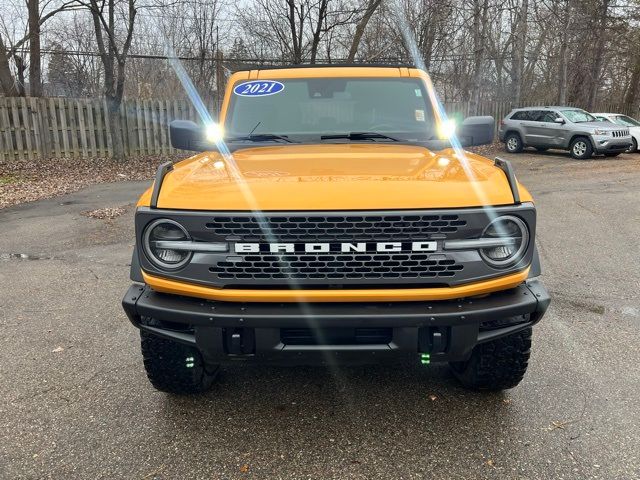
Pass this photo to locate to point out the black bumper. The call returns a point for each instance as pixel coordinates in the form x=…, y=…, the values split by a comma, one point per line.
x=229, y=331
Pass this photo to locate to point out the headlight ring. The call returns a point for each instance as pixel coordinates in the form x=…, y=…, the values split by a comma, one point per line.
x=511, y=227
x=164, y=229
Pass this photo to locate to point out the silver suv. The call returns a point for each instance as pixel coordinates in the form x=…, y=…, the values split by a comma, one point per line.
x=565, y=128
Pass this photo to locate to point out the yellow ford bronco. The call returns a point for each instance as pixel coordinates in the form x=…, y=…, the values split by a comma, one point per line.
x=331, y=217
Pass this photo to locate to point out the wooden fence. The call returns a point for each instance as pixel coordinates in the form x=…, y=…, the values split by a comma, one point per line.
x=34, y=128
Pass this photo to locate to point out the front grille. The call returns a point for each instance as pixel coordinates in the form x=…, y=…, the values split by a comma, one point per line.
x=336, y=336
x=354, y=266
x=620, y=133
x=373, y=268
x=334, y=228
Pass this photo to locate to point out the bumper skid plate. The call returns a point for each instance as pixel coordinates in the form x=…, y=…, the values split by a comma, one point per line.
x=229, y=331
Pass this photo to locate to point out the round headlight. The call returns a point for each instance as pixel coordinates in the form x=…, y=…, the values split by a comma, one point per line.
x=516, y=235
x=155, y=237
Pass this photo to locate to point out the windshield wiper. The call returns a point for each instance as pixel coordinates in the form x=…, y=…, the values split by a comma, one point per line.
x=359, y=136
x=259, y=137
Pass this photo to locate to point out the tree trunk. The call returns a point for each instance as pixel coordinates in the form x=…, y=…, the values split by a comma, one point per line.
x=479, y=22
x=596, y=65
x=7, y=82
x=564, y=57
x=631, y=96
x=115, y=126
x=317, y=34
x=35, y=71
x=297, y=42
x=20, y=67
x=519, y=53
x=361, y=27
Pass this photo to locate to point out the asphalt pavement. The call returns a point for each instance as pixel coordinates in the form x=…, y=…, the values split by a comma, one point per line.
x=75, y=402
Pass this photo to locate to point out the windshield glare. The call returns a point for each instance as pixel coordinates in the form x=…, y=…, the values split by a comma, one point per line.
x=306, y=109
x=626, y=121
x=578, y=116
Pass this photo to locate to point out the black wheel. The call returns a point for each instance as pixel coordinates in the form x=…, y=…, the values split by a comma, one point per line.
x=612, y=154
x=634, y=146
x=513, y=143
x=175, y=367
x=496, y=365
x=542, y=149
x=581, y=148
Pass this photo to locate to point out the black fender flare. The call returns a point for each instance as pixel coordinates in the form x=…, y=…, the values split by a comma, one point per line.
x=135, y=272
x=536, y=268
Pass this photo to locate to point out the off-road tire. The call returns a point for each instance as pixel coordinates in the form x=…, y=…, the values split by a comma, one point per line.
x=174, y=367
x=513, y=143
x=634, y=146
x=496, y=365
x=581, y=148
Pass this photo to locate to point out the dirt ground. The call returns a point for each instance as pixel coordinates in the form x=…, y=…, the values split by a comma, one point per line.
x=75, y=402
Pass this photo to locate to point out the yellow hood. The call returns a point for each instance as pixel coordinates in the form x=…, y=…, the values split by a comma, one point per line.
x=333, y=177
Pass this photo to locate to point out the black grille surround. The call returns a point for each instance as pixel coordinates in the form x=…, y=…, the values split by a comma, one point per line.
x=336, y=269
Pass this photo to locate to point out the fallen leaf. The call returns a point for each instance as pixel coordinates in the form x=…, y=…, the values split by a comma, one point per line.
x=244, y=468
x=559, y=425
x=108, y=213
x=491, y=463
x=433, y=398
x=57, y=350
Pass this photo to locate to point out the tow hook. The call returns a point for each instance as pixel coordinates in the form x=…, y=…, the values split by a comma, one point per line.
x=239, y=341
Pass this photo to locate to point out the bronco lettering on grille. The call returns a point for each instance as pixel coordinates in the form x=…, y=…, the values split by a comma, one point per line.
x=360, y=247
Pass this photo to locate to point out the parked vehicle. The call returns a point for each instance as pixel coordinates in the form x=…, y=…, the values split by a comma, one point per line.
x=327, y=222
x=564, y=128
x=623, y=120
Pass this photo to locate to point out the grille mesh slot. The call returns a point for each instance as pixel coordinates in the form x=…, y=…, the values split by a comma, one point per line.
x=336, y=267
x=335, y=228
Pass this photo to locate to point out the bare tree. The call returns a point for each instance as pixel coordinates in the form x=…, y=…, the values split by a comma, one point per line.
x=480, y=12
x=114, y=56
x=11, y=50
x=519, y=51
x=7, y=82
x=35, y=60
x=372, y=6
x=596, y=65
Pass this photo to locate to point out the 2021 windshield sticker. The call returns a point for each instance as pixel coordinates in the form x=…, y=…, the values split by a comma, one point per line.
x=258, y=88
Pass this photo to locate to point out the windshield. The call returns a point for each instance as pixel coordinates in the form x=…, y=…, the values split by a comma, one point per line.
x=578, y=116
x=626, y=121
x=306, y=109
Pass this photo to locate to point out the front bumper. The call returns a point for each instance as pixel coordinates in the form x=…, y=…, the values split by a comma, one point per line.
x=607, y=144
x=230, y=331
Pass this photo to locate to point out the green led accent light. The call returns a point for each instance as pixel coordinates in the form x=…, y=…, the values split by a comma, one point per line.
x=189, y=362
x=425, y=358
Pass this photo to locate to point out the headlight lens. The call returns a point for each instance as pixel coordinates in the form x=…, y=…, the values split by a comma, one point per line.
x=165, y=230
x=507, y=227
x=600, y=132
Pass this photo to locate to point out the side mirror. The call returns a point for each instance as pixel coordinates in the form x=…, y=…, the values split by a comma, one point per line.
x=187, y=135
x=477, y=131
x=559, y=120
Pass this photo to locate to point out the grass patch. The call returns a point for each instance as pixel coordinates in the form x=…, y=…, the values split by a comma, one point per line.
x=9, y=179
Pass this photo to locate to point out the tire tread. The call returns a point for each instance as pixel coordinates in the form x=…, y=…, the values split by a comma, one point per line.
x=497, y=365
x=164, y=362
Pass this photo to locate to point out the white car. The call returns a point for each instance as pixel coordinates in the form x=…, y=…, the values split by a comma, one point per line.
x=624, y=120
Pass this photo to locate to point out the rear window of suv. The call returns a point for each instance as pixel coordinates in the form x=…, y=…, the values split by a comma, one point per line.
x=523, y=115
